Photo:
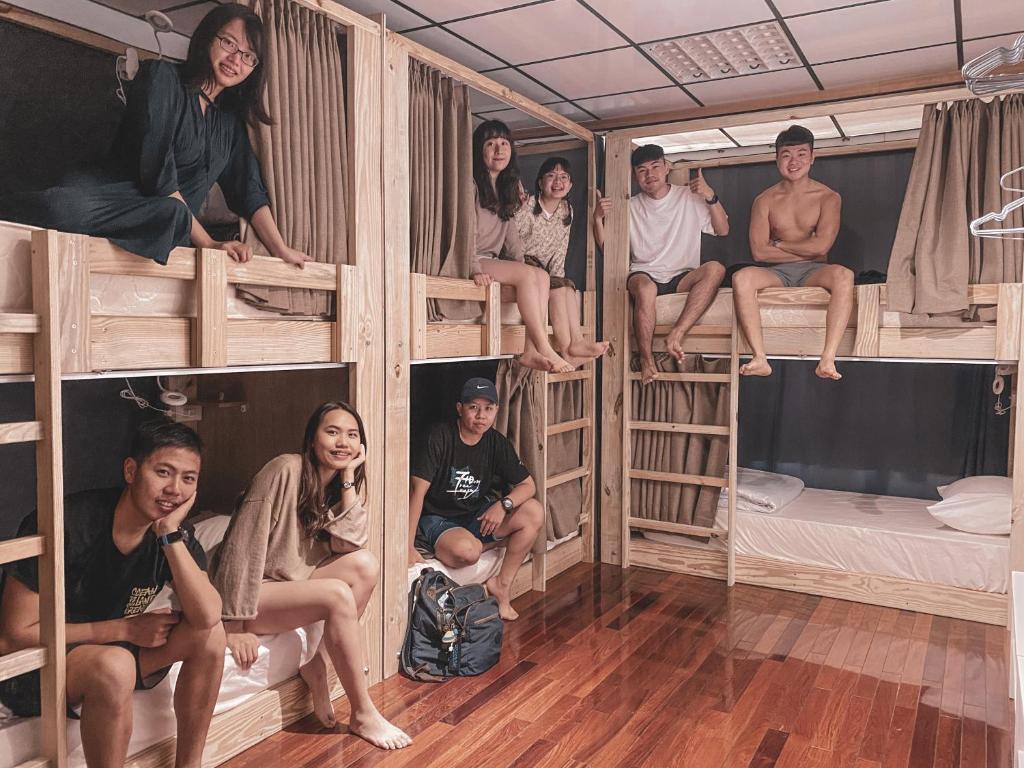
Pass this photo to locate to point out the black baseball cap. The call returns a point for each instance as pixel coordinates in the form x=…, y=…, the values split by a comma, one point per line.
x=479, y=387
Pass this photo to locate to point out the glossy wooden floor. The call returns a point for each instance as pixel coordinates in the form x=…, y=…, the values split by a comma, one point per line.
x=643, y=668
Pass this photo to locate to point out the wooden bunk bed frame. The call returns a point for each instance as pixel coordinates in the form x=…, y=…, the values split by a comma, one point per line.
x=61, y=338
x=793, y=320
x=411, y=338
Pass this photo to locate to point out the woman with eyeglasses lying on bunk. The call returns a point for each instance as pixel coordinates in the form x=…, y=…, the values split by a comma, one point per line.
x=294, y=555
x=184, y=129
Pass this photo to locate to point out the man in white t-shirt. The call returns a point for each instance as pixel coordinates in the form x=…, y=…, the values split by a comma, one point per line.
x=665, y=225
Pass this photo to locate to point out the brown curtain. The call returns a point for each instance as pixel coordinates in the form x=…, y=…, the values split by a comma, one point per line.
x=304, y=154
x=963, y=149
x=565, y=501
x=442, y=209
x=685, y=403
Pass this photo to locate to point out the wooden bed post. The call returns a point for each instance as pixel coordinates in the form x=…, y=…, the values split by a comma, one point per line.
x=366, y=249
x=589, y=386
x=539, y=385
x=614, y=366
x=72, y=300
x=400, y=334
x=209, y=345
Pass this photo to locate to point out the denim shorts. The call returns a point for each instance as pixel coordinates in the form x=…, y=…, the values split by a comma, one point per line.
x=432, y=527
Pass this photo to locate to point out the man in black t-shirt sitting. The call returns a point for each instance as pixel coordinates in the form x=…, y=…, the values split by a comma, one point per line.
x=452, y=509
x=120, y=547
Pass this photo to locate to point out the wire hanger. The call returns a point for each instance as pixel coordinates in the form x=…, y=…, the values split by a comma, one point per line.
x=1001, y=216
x=978, y=72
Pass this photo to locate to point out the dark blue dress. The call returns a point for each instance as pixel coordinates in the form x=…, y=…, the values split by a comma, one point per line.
x=165, y=144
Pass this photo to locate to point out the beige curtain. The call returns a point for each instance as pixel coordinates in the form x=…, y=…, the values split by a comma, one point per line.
x=963, y=149
x=565, y=501
x=442, y=210
x=304, y=153
x=686, y=403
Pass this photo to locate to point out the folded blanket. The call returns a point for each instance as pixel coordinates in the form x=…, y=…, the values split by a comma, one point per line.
x=762, y=492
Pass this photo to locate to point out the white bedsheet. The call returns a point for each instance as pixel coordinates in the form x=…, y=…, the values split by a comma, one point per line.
x=862, y=533
x=764, y=492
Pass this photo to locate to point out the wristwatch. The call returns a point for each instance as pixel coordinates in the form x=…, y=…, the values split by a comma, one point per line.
x=169, y=538
x=507, y=505
x=712, y=200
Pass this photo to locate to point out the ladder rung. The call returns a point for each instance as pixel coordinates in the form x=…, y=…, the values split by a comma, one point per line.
x=668, y=426
x=705, y=378
x=672, y=477
x=568, y=426
x=17, y=322
x=697, y=330
x=690, y=530
x=565, y=477
x=20, y=662
x=21, y=432
x=582, y=375
x=20, y=548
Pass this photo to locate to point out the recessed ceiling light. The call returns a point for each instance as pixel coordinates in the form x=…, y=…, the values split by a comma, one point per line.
x=729, y=52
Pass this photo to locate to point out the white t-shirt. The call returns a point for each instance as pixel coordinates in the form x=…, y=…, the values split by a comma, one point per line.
x=664, y=235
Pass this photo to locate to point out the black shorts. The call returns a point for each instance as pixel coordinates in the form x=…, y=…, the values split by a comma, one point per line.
x=21, y=694
x=666, y=287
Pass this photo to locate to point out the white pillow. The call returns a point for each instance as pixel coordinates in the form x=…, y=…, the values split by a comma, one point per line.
x=974, y=512
x=996, y=484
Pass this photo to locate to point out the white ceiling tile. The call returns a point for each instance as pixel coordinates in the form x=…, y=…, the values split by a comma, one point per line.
x=439, y=40
x=521, y=84
x=794, y=7
x=643, y=20
x=892, y=66
x=881, y=121
x=694, y=141
x=513, y=118
x=566, y=109
x=640, y=102
x=974, y=48
x=765, y=133
x=786, y=81
x=535, y=32
x=481, y=102
x=397, y=17
x=991, y=17
x=864, y=30
x=443, y=10
x=597, y=74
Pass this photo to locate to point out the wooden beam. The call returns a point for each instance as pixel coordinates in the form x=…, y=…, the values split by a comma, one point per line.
x=676, y=477
x=539, y=388
x=566, y=477
x=126, y=343
x=273, y=342
x=584, y=374
x=492, y=320
x=1008, y=313
x=107, y=259
x=490, y=87
x=347, y=18
x=551, y=147
x=20, y=432
x=20, y=662
x=588, y=387
x=19, y=322
x=73, y=300
x=347, y=308
x=569, y=426
x=645, y=524
x=703, y=378
x=417, y=316
x=20, y=548
x=455, y=288
x=690, y=429
x=865, y=148
x=263, y=270
x=869, y=318
x=209, y=347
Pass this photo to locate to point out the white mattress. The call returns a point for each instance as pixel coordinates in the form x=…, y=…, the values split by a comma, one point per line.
x=110, y=294
x=862, y=533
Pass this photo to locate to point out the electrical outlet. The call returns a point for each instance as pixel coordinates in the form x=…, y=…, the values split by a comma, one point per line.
x=187, y=413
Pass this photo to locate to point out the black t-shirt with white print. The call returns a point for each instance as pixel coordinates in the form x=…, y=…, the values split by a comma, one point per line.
x=461, y=476
x=100, y=582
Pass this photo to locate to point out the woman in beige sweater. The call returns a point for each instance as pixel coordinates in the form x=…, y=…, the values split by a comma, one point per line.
x=293, y=555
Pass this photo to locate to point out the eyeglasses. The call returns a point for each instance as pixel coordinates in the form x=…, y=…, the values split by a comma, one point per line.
x=249, y=58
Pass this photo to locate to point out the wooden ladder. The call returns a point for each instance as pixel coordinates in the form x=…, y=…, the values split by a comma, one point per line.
x=730, y=432
x=48, y=543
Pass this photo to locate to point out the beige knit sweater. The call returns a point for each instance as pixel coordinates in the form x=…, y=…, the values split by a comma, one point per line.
x=265, y=540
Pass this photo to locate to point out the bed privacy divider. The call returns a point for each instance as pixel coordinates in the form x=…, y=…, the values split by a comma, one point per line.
x=794, y=327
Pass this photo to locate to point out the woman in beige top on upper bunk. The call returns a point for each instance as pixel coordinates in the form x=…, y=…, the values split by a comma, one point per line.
x=544, y=221
x=499, y=251
x=293, y=555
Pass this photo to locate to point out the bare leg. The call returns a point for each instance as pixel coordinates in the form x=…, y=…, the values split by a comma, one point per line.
x=531, y=286
x=644, y=293
x=201, y=652
x=518, y=531
x=702, y=285
x=745, y=285
x=101, y=678
x=287, y=604
x=837, y=280
x=568, y=316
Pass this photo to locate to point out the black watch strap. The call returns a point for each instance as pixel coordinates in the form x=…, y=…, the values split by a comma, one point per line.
x=172, y=537
x=713, y=200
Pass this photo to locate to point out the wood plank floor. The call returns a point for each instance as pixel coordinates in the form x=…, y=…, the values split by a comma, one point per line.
x=651, y=669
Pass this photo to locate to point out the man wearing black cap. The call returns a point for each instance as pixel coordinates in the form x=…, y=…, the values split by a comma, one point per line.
x=665, y=225
x=455, y=503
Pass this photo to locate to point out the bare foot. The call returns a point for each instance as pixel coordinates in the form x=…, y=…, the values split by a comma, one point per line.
x=558, y=363
x=586, y=349
x=827, y=370
x=674, y=344
x=758, y=366
x=535, y=360
x=505, y=609
x=372, y=726
x=314, y=672
x=648, y=371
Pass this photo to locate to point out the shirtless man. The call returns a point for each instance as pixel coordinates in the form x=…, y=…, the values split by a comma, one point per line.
x=793, y=225
x=665, y=225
